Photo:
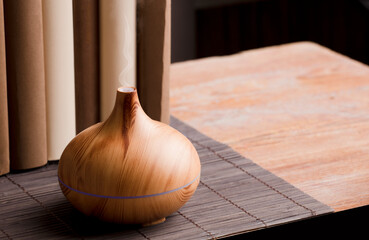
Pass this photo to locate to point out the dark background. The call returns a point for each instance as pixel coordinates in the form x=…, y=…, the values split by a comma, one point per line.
x=202, y=28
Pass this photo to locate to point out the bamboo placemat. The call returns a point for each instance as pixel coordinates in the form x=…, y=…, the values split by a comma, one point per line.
x=234, y=196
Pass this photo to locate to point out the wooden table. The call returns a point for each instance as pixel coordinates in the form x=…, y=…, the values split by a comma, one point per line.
x=299, y=110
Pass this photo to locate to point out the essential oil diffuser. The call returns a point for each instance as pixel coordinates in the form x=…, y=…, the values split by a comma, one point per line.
x=129, y=169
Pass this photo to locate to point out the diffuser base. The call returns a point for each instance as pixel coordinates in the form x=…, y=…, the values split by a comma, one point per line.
x=153, y=223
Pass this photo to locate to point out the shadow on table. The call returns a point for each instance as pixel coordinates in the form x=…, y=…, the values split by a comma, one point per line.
x=64, y=220
x=351, y=223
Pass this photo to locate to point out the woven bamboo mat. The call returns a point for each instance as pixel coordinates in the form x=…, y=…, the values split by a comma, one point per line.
x=234, y=196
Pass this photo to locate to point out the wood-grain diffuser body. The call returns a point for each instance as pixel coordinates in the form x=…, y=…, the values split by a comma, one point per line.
x=129, y=169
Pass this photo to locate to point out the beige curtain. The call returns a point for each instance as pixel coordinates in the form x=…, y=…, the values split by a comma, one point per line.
x=4, y=135
x=26, y=83
x=153, y=53
x=87, y=62
x=59, y=75
x=25, y=60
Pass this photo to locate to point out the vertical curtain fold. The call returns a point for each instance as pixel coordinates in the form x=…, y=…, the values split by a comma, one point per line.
x=26, y=83
x=86, y=58
x=61, y=62
x=59, y=75
x=153, y=53
x=117, y=50
x=4, y=135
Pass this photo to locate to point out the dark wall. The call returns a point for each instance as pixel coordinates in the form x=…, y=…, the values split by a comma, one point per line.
x=342, y=25
x=183, y=30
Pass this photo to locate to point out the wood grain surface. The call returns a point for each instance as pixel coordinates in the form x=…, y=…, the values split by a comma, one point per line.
x=129, y=168
x=299, y=110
